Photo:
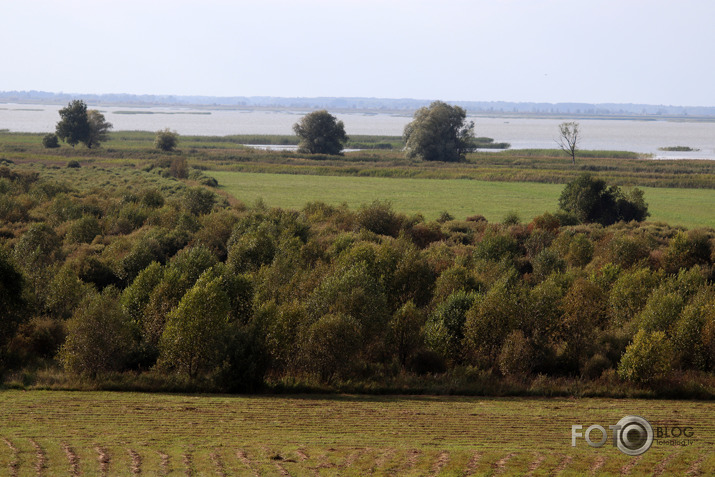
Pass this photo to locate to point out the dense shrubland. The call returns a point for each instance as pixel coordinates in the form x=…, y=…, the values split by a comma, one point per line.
x=137, y=274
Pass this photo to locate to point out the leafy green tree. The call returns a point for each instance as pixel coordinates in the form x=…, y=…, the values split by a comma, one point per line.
x=199, y=200
x=98, y=128
x=192, y=337
x=404, y=331
x=166, y=140
x=649, y=357
x=73, y=126
x=439, y=132
x=445, y=328
x=332, y=344
x=591, y=200
x=320, y=133
x=99, y=336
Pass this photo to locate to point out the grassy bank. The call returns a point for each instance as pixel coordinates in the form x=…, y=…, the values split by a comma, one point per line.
x=461, y=198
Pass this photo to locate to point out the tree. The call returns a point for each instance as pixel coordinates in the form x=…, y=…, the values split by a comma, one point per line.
x=569, y=135
x=439, y=132
x=591, y=200
x=166, y=140
x=99, y=335
x=195, y=328
x=320, y=133
x=80, y=125
x=74, y=126
x=98, y=128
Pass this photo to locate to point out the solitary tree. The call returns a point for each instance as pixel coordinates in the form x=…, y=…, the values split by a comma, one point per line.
x=439, y=132
x=98, y=128
x=320, y=133
x=77, y=124
x=166, y=140
x=569, y=135
x=73, y=126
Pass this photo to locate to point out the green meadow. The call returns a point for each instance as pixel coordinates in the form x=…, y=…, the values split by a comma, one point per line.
x=461, y=198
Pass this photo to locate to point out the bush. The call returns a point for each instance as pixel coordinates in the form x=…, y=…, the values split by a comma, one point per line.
x=427, y=362
x=591, y=200
x=50, y=141
x=99, y=336
x=516, y=357
x=379, y=218
x=331, y=345
x=648, y=358
x=74, y=165
x=166, y=140
x=84, y=230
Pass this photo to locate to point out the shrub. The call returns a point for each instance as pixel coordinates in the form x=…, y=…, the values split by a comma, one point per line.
x=50, y=141
x=595, y=366
x=404, y=336
x=379, y=218
x=547, y=262
x=629, y=294
x=99, y=336
x=445, y=328
x=686, y=250
x=648, y=358
x=580, y=250
x=427, y=362
x=591, y=200
x=166, y=140
x=73, y=164
x=199, y=200
x=511, y=218
x=496, y=246
x=515, y=358
x=331, y=345
x=84, y=230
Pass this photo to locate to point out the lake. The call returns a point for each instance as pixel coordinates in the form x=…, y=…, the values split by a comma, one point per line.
x=644, y=136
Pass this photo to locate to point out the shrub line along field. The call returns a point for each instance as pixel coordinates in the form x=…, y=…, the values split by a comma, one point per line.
x=107, y=433
x=461, y=198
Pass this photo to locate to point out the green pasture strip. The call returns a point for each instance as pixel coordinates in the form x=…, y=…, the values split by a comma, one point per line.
x=461, y=198
x=335, y=435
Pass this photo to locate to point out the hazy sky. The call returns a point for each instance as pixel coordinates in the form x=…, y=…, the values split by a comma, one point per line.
x=624, y=51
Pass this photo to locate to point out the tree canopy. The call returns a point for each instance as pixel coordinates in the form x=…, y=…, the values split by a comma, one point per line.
x=77, y=124
x=320, y=133
x=439, y=132
x=590, y=199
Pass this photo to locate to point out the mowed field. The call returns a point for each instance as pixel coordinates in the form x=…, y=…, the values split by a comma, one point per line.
x=103, y=433
x=461, y=198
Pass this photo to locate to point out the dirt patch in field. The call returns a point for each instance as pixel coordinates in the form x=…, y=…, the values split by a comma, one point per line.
x=472, y=464
x=218, y=463
x=626, y=469
x=103, y=459
x=538, y=459
x=41, y=458
x=599, y=462
x=15, y=462
x=441, y=461
x=694, y=468
x=136, y=462
x=500, y=465
x=565, y=462
x=164, y=466
x=71, y=458
x=243, y=457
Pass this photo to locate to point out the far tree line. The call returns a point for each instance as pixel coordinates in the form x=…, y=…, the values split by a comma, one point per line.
x=439, y=132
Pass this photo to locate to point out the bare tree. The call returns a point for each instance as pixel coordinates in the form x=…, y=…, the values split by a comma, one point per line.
x=568, y=139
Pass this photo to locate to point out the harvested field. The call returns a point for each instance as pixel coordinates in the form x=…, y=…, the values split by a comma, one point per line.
x=103, y=433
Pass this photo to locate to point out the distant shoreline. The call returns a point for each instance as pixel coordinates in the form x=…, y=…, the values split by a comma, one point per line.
x=405, y=106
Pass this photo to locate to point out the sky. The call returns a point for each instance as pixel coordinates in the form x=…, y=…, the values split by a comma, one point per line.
x=595, y=51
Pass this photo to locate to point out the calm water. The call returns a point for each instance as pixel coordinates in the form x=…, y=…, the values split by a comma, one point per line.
x=638, y=136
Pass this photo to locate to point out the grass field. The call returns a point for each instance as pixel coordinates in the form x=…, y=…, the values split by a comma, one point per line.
x=687, y=207
x=93, y=433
